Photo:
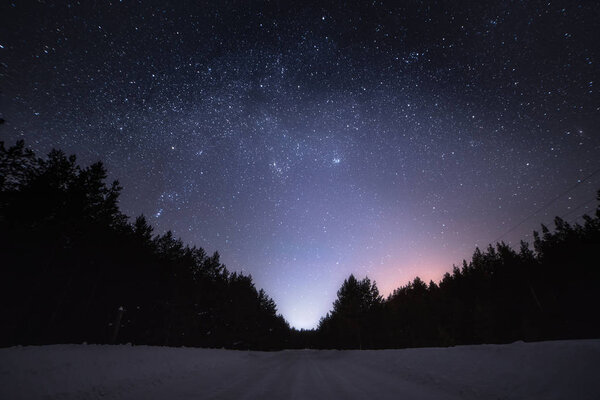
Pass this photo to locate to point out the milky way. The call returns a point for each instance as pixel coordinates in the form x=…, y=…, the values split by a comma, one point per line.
x=306, y=142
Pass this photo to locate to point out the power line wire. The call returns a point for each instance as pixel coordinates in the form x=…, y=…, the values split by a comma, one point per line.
x=577, y=208
x=547, y=205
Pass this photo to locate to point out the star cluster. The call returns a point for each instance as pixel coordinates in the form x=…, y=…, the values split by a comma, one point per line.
x=306, y=142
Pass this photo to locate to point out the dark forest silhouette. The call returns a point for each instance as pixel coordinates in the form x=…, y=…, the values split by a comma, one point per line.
x=500, y=296
x=75, y=269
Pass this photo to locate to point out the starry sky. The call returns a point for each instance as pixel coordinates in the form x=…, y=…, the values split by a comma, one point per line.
x=305, y=141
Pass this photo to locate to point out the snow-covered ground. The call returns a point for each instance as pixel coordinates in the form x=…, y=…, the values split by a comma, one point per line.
x=545, y=370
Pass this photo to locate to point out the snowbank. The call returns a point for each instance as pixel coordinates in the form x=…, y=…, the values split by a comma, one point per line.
x=545, y=370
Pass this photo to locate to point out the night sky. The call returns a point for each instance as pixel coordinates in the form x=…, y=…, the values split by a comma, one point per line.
x=306, y=142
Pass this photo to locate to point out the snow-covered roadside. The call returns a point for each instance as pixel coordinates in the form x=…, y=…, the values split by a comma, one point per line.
x=545, y=370
x=94, y=371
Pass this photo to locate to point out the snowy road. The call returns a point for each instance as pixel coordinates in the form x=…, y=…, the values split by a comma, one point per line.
x=547, y=370
x=304, y=375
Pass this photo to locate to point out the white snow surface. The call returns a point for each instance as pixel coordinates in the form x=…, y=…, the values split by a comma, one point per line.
x=543, y=370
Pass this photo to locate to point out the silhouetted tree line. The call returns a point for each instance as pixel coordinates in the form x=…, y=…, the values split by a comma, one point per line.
x=500, y=296
x=74, y=269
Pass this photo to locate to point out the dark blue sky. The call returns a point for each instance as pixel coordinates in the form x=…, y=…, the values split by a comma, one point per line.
x=306, y=142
